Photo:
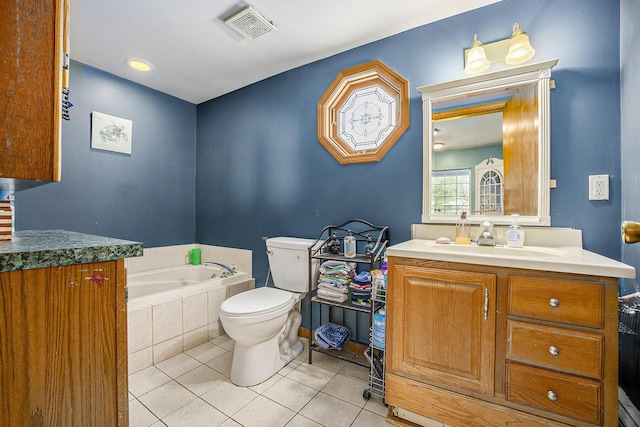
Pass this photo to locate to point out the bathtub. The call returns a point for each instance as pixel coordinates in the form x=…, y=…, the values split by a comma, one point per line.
x=172, y=310
x=155, y=286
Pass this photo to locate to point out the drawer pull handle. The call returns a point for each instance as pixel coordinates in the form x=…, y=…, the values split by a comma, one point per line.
x=552, y=395
x=553, y=302
x=554, y=350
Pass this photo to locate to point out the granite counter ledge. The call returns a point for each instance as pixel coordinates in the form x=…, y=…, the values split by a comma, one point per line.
x=51, y=248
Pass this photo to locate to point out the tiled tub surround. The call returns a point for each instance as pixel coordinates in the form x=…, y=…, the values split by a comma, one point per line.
x=167, y=328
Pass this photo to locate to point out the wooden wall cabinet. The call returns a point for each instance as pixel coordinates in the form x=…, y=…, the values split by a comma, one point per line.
x=63, y=346
x=494, y=346
x=33, y=47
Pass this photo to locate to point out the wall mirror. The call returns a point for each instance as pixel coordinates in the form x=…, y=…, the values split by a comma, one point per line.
x=486, y=147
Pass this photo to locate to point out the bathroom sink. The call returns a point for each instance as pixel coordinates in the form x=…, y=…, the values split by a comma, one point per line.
x=500, y=251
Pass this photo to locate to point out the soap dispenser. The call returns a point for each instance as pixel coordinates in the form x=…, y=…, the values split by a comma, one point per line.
x=515, y=233
x=350, y=246
x=463, y=230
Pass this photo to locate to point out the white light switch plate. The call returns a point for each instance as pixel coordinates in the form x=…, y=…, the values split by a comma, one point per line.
x=598, y=187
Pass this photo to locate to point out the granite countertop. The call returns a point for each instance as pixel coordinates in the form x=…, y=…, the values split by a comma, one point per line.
x=51, y=248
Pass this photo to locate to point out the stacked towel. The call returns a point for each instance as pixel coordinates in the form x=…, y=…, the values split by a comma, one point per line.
x=332, y=336
x=334, y=279
x=360, y=288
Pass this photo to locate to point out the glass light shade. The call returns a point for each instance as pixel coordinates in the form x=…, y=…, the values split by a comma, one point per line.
x=476, y=58
x=520, y=49
x=438, y=145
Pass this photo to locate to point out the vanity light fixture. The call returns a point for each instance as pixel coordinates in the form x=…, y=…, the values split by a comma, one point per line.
x=139, y=64
x=520, y=49
x=515, y=50
x=476, y=58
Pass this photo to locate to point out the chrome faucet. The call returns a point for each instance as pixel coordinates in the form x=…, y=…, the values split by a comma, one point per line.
x=486, y=238
x=228, y=271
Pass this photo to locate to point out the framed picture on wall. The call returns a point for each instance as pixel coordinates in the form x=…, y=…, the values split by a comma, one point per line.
x=110, y=133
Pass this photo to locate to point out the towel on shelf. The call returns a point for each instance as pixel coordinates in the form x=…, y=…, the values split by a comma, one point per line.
x=330, y=335
x=332, y=296
x=332, y=288
x=337, y=267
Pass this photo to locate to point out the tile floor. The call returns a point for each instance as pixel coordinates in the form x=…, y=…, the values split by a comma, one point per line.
x=193, y=389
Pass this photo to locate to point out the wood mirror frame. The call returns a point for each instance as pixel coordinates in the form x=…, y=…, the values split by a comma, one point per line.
x=526, y=190
x=346, y=130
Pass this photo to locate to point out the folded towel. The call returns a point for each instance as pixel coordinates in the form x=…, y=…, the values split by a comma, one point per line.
x=333, y=288
x=332, y=296
x=362, y=277
x=333, y=335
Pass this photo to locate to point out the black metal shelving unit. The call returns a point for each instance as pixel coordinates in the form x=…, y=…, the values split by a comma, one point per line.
x=361, y=230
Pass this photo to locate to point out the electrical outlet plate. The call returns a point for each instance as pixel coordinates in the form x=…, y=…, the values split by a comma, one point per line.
x=598, y=187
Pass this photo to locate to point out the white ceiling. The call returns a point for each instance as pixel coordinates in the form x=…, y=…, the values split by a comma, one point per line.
x=198, y=58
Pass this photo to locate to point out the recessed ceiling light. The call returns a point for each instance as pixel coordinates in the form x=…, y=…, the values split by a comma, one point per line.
x=139, y=64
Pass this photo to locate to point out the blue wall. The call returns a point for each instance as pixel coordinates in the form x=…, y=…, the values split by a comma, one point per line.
x=148, y=196
x=630, y=106
x=262, y=172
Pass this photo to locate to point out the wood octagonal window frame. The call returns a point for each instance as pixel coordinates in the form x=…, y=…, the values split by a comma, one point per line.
x=363, y=113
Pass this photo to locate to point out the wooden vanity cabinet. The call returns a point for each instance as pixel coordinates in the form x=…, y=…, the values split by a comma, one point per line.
x=494, y=346
x=63, y=346
x=33, y=45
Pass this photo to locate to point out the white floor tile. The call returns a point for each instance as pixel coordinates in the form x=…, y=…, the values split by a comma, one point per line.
x=206, y=352
x=146, y=380
x=348, y=389
x=140, y=416
x=377, y=406
x=369, y=419
x=300, y=421
x=178, y=365
x=224, y=341
x=229, y=398
x=193, y=389
x=197, y=413
x=266, y=384
x=355, y=371
x=222, y=364
x=325, y=361
x=292, y=394
x=167, y=398
x=201, y=380
x=263, y=412
x=311, y=375
x=330, y=411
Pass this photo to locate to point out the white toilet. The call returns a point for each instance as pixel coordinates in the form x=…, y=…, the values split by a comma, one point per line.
x=264, y=321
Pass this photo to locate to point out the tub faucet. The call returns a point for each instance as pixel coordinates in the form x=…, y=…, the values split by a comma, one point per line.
x=228, y=271
x=486, y=238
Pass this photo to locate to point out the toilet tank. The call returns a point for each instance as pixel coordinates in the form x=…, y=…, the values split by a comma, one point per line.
x=289, y=263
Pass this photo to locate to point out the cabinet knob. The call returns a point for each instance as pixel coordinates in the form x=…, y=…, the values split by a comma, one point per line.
x=554, y=302
x=554, y=350
x=552, y=395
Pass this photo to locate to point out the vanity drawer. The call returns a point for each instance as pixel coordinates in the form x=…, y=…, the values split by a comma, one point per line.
x=574, y=397
x=562, y=349
x=570, y=302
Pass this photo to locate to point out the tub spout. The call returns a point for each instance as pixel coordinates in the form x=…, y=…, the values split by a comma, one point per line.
x=228, y=271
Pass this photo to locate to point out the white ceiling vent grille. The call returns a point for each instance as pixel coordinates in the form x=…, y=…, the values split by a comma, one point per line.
x=250, y=23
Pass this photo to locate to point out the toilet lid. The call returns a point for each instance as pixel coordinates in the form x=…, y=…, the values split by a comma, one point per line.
x=256, y=301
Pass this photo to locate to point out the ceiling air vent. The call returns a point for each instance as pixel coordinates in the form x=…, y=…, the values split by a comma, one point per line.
x=250, y=23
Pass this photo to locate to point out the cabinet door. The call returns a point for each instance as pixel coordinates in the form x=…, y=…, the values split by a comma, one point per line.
x=31, y=102
x=442, y=327
x=62, y=347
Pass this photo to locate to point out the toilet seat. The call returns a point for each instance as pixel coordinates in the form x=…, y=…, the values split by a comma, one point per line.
x=258, y=302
